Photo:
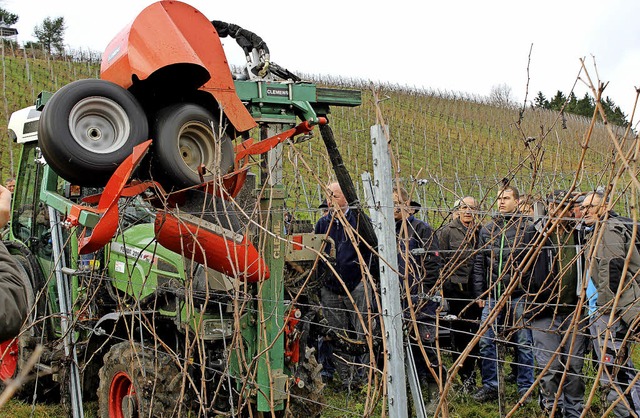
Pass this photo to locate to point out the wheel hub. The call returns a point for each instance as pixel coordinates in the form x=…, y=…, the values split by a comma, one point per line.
x=8, y=359
x=197, y=146
x=123, y=402
x=99, y=125
x=94, y=134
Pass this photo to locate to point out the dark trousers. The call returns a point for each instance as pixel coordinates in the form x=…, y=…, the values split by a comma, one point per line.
x=344, y=317
x=463, y=329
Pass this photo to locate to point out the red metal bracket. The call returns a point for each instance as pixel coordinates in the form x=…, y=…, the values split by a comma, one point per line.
x=107, y=226
x=269, y=143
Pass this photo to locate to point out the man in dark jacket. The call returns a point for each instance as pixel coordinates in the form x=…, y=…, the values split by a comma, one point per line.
x=419, y=265
x=458, y=242
x=502, y=245
x=344, y=278
x=13, y=296
x=419, y=259
x=559, y=331
x=612, y=252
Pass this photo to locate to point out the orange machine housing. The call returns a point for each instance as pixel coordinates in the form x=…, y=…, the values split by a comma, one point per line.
x=170, y=33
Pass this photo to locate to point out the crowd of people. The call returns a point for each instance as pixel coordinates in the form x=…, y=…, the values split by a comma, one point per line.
x=551, y=287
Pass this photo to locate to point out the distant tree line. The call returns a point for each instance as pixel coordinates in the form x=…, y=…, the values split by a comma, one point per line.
x=583, y=107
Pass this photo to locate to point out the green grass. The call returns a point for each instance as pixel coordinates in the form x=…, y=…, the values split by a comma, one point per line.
x=18, y=409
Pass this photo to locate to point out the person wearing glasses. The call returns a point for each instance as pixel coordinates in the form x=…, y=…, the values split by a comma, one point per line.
x=502, y=246
x=458, y=242
x=613, y=266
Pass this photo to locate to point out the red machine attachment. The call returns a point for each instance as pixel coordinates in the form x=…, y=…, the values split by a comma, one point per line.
x=207, y=243
x=218, y=247
x=107, y=226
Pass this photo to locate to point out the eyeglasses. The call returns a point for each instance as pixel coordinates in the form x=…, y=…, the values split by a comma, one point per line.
x=585, y=208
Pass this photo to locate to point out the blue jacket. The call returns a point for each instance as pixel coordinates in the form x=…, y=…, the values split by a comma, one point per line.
x=346, y=262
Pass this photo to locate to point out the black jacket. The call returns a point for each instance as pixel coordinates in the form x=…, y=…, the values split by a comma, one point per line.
x=556, y=282
x=347, y=264
x=13, y=297
x=502, y=245
x=421, y=263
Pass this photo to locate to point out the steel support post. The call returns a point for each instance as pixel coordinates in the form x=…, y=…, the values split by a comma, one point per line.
x=384, y=226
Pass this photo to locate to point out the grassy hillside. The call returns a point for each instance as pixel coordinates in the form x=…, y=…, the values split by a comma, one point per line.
x=461, y=145
x=446, y=147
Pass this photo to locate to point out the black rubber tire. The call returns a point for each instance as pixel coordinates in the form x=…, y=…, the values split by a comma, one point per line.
x=186, y=136
x=155, y=378
x=88, y=128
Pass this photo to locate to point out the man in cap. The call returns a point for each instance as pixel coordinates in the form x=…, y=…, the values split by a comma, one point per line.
x=419, y=268
x=558, y=328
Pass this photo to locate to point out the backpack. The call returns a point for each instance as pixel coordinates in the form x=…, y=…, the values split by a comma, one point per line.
x=628, y=222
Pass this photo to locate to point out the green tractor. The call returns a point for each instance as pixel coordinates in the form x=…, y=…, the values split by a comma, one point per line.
x=150, y=225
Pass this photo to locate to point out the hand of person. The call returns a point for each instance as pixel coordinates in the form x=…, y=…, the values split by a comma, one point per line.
x=5, y=206
x=480, y=302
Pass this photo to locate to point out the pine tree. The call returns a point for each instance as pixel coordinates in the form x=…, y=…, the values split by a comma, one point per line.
x=541, y=101
x=8, y=18
x=613, y=112
x=585, y=106
x=572, y=103
x=558, y=101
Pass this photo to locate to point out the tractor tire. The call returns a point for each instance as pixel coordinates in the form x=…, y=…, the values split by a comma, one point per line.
x=186, y=137
x=139, y=382
x=88, y=128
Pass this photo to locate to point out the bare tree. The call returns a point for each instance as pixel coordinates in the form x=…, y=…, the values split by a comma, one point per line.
x=501, y=95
